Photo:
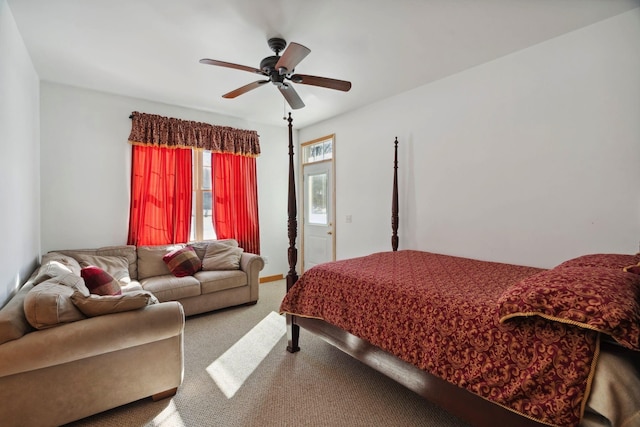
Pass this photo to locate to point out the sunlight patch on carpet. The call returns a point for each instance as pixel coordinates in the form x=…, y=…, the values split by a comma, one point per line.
x=169, y=417
x=231, y=369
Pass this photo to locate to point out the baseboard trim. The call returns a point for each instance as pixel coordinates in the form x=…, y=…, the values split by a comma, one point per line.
x=271, y=278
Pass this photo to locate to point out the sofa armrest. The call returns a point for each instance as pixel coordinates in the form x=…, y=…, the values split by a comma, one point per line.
x=90, y=337
x=252, y=264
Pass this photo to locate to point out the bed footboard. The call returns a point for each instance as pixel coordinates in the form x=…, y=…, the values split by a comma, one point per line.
x=458, y=401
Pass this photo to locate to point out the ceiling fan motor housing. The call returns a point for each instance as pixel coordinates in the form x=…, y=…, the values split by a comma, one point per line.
x=268, y=66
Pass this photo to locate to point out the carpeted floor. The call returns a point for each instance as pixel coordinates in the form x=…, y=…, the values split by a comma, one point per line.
x=238, y=373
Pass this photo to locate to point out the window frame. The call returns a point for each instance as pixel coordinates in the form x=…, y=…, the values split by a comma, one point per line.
x=199, y=188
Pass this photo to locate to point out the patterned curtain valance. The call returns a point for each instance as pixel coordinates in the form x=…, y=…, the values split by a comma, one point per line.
x=151, y=129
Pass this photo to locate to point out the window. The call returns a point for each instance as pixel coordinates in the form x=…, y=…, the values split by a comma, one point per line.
x=202, y=212
x=172, y=182
x=318, y=151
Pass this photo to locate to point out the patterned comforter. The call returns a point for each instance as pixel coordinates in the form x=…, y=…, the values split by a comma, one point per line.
x=473, y=323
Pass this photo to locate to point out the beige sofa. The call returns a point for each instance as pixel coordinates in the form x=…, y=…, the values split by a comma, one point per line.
x=55, y=375
x=77, y=362
x=206, y=290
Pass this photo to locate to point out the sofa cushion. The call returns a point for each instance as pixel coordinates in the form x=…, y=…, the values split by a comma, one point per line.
x=201, y=246
x=134, y=285
x=214, y=281
x=127, y=251
x=59, y=260
x=74, y=282
x=50, y=270
x=49, y=304
x=170, y=287
x=183, y=262
x=13, y=322
x=221, y=256
x=150, y=261
x=100, y=282
x=98, y=305
x=116, y=266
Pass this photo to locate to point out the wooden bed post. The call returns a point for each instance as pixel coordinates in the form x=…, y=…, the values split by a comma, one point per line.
x=394, y=201
x=293, y=330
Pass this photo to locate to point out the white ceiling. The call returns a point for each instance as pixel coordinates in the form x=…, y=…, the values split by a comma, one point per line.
x=150, y=48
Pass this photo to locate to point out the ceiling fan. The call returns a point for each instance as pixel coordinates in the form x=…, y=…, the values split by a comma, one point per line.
x=278, y=69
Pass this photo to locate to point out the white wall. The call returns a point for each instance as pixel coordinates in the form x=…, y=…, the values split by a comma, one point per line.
x=86, y=167
x=531, y=159
x=19, y=159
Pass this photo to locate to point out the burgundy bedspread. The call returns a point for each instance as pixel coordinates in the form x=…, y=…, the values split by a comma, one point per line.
x=441, y=314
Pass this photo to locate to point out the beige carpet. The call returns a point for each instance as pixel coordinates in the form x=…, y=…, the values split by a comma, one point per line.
x=238, y=373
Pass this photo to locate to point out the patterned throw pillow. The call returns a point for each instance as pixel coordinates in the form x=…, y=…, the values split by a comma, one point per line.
x=99, y=281
x=635, y=269
x=602, y=260
x=183, y=262
x=598, y=298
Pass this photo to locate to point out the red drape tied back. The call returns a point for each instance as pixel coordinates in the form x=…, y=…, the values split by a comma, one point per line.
x=161, y=180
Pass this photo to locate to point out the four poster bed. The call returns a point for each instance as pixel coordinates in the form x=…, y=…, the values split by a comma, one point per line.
x=495, y=344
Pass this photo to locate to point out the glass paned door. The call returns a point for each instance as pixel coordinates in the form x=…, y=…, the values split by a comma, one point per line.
x=318, y=241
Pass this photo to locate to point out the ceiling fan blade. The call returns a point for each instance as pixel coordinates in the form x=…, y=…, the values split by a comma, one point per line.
x=291, y=96
x=305, y=79
x=244, y=89
x=230, y=65
x=291, y=57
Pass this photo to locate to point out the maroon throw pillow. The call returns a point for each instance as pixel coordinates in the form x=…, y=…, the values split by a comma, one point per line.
x=597, y=298
x=635, y=269
x=601, y=260
x=99, y=281
x=183, y=262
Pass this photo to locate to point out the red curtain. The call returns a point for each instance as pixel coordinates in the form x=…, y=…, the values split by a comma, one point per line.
x=160, y=211
x=235, y=207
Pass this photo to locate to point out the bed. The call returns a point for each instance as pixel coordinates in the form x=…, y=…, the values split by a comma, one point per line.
x=493, y=343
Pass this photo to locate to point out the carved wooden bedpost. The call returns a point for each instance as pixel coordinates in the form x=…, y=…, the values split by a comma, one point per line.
x=394, y=201
x=293, y=330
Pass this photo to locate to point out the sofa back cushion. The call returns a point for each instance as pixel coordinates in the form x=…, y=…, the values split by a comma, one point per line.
x=116, y=266
x=126, y=251
x=221, y=256
x=53, y=263
x=201, y=245
x=150, y=261
x=13, y=322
